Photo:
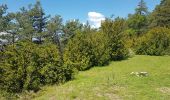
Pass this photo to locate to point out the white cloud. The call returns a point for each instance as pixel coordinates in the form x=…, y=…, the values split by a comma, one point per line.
x=95, y=19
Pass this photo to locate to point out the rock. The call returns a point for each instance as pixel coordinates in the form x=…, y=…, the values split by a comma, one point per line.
x=139, y=74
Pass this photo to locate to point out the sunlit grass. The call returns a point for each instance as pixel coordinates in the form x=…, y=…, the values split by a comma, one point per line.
x=114, y=82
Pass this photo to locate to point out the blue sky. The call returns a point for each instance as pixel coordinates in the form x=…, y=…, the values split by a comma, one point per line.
x=79, y=9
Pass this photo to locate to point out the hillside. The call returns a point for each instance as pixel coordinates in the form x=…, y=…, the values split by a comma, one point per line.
x=114, y=82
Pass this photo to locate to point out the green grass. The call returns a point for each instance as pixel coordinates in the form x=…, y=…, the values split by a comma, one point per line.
x=114, y=82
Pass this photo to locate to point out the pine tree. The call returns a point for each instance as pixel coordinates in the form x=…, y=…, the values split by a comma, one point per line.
x=4, y=19
x=39, y=20
x=54, y=27
x=70, y=29
x=142, y=8
x=161, y=15
x=25, y=22
x=138, y=22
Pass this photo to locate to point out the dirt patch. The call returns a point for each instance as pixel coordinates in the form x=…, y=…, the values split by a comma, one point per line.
x=112, y=96
x=164, y=90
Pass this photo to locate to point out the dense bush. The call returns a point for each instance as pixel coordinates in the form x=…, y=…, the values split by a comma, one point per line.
x=155, y=42
x=100, y=50
x=27, y=66
x=78, y=52
x=88, y=49
x=114, y=33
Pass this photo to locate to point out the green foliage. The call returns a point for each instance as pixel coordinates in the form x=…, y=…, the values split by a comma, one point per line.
x=54, y=26
x=100, y=50
x=25, y=23
x=161, y=15
x=155, y=42
x=4, y=19
x=142, y=9
x=114, y=82
x=138, y=23
x=114, y=31
x=86, y=50
x=78, y=52
x=27, y=66
x=70, y=29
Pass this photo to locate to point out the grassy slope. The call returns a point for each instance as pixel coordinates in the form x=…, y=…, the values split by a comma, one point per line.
x=114, y=82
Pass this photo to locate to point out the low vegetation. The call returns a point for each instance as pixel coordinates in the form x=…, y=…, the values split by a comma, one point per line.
x=115, y=82
x=40, y=50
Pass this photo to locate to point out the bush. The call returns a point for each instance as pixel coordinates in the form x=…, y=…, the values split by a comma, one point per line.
x=155, y=42
x=114, y=33
x=86, y=50
x=27, y=66
x=100, y=49
x=78, y=53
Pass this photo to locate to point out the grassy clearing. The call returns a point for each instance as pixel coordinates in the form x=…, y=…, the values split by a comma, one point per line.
x=114, y=82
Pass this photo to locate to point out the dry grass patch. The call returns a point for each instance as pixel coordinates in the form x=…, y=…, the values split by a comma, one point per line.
x=165, y=90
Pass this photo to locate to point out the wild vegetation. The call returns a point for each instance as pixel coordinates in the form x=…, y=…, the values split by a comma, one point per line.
x=42, y=50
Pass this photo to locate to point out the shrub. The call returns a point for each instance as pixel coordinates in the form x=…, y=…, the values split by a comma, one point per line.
x=86, y=50
x=27, y=66
x=78, y=53
x=100, y=50
x=114, y=32
x=155, y=42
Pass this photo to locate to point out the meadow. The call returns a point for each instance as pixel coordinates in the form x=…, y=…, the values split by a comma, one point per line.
x=114, y=82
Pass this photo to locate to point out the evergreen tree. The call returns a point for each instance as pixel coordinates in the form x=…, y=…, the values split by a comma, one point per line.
x=4, y=19
x=114, y=30
x=39, y=20
x=142, y=8
x=70, y=29
x=138, y=22
x=25, y=22
x=54, y=27
x=161, y=15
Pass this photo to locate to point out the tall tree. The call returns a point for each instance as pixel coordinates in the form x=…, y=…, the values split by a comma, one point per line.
x=8, y=24
x=142, y=9
x=39, y=19
x=161, y=15
x=70, y=29
x=114, y=30
x=138, y=22
x=54, y=27
x=4, y=19
x=25, y=22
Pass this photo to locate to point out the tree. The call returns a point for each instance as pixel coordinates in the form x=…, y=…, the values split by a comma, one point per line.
x=114, y=30
x=142, y=8
x=161, y=15
x=24, y=19
x=28, y=66
x=99, y=47
x=54, y=27
x=39, y=20
x=70, y=29
x=138, y=22
x=78, y=52
x=4, y=19
x=155, y=42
